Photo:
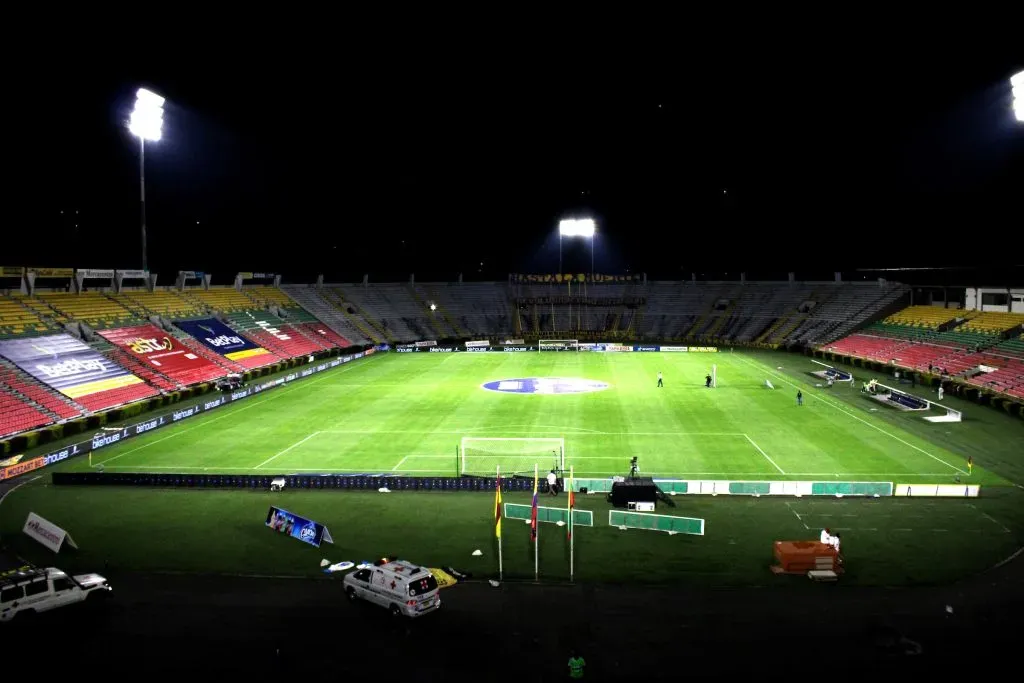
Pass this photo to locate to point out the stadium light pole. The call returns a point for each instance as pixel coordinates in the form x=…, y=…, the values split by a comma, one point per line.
x=1017, y=83
x=576, y=227
x=146, y=123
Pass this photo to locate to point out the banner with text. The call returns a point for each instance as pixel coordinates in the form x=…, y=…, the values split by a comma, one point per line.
x=11, y=271
x=474, y=344
x=306, y=530
x=158, y=349
x=221, y=338
x=66, y=364
x=95, y=274
x=524, y=278
x=134, y=274
x=53, y=272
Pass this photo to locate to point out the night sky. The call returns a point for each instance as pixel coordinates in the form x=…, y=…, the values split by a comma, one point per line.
x=790, y=163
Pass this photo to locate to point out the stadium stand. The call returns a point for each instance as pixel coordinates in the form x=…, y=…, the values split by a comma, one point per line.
x=25, y=385
x=95, y=309
x=217, y=359
x=476, y=309
x=20, y=315
x=16, y=415
x=273, y=334
x=929, y=317
x=127, y=361
x=267, y=296
x=166, y=303
x=223, y=299
x=327, y=308
x=157, y=357
x=993, y=322
x=391, y=309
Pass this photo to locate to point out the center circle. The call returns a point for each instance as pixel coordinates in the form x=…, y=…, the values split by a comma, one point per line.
x=545, y=385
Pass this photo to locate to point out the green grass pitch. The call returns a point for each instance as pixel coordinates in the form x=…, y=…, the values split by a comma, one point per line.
x=407, y=413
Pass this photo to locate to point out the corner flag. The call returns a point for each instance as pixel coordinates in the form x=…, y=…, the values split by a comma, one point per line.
x=572, y=542
x=533, y=512
x=497, y=522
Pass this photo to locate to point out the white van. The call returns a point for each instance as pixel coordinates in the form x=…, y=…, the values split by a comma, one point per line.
x=400, y=586
x=30, y=591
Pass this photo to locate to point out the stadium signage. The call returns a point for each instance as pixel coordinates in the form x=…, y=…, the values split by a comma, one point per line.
x=224, y=340
x=675, y=348
x=442, y=349
x=618, y=348
x=60, y=455
x=182, y=414
x=405, y=349
x=88, y=274
x=426, y=343
x=703, y=349
x=53, y=272
x=141, y=346
x=477, y=344
x=646, y=348
x=545, y=385
x=516, y=348
x=273, y=330
x=147, y=426
x=515, y=342
x=478, y=349
x=133, y=274
x=104, y=440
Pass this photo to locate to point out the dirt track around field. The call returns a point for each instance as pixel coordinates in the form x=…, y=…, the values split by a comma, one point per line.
x=174, y=623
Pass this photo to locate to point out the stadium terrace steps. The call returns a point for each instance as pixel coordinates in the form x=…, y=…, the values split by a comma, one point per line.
x=437, y=320
x=96, y=309
x=223, y=299
x=160, y=358
x=356, y=317
x=167, y=303
x=58, y=405
x=955, y=337
x=113, y=398
x=17, y=416
x=391, y=309
x=928, y=317
x=317, y=330
x=124, y=359
x=267, y=295
x=311, y=300
x=200, y=350
x=19, y=318
x=272, y=334
x=993, y=322
x=475, y=309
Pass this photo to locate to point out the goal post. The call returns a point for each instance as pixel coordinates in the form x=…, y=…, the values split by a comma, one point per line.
x=558, y=345
x=482, y=455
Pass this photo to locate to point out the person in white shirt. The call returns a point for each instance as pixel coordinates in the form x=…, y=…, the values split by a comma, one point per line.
x=835, y=543
x=552, y=483
x=660, y=384
x=826, y=537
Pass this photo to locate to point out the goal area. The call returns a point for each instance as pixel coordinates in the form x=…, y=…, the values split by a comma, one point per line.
x=485, y=455
x=558, y=345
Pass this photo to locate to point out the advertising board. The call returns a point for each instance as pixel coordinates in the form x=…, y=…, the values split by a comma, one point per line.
x=158, y=349
x=66, y=364
x=221, y=338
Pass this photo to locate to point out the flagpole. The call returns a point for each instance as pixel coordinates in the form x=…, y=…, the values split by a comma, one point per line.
x=501, y=564
x=572, y=538
x=536, y=532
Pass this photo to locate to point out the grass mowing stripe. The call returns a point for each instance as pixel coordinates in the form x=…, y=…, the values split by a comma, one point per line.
x=761, y=366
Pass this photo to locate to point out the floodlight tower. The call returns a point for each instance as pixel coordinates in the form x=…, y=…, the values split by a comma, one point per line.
x=576, y=227
x=1017, y=83
x=146, y=123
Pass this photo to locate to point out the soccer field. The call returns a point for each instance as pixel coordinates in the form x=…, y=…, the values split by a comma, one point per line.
x=408, y=414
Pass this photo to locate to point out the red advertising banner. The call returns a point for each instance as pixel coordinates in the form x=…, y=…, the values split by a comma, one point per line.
x=21, y=468
x=159, y=350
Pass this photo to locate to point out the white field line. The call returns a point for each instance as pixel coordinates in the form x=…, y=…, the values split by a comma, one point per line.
x=990, y=518
x=764, y=369
x=326, y=470
x=18, y=486
x=798, y=516
x=759, y=450
x=446, y=432
x=400, y=463
x=294, y=445
x=228, y=414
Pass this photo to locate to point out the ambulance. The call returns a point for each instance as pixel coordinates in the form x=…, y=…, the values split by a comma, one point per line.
x=402, y=587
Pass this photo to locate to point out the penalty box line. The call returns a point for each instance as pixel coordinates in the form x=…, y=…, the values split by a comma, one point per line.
x=765, y=369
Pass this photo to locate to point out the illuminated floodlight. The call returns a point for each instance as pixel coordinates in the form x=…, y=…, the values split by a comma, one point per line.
x=1017, y=83
x=572, y=227
x=147, y=119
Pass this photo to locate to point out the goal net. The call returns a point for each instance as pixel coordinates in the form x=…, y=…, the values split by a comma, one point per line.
x=558, y=345
x=479, y=455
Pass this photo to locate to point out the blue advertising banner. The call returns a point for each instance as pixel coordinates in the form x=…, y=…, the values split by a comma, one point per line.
x=306, y=530
x=221, y=338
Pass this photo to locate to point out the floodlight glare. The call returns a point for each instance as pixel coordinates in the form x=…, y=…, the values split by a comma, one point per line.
x=583, y=227
x=1017, y=83
x=148, y=116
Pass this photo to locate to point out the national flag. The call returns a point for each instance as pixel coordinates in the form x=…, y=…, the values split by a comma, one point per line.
x=572, y=502
x=533, y=512
x=497, y=508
